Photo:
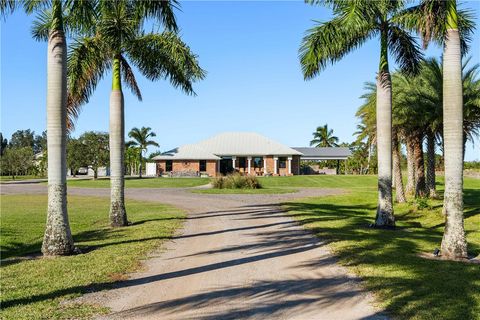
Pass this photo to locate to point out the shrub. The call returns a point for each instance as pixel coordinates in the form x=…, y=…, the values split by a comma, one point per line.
x=236, y=181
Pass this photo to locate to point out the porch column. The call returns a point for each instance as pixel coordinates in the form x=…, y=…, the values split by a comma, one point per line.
x=264, y=166
x=233, y=162
x=289, y=165
x=249, y=159
x=275, y=160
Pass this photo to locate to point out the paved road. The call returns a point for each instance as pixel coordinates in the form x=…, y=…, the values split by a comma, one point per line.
x=237, y=257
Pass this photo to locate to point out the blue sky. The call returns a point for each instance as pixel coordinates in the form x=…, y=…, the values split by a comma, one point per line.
x=254, y=81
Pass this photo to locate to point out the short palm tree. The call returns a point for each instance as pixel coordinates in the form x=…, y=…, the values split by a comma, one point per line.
x=442, y=22
x=54, y=19
x=323, y=137
x=141, y=142
x=115, y=40
x=353, y=23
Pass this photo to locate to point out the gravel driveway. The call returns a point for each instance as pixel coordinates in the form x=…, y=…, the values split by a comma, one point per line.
x=237, y=257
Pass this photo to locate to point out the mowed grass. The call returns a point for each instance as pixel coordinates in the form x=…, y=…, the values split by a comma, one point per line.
x=320, y=181
x=19, y=178
x=245, y=191
x=141, y=183
x=390, y=262
x=36, y=288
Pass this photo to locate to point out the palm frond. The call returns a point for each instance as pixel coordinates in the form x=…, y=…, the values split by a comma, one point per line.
x=161, y=11
x=7, y=7
x=41, y=25
x=405, y=49
x=129, y=78
x=166, y=56
x=88, y=61
x=329, y=42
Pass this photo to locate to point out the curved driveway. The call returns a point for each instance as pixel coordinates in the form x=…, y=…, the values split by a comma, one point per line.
x=237, y=257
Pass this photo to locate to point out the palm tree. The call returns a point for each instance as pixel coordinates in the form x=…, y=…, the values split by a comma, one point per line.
x=354, y=23
x=116, y=39
x=441, y=21
x=140, y=141
x=323, y=137
x=54, y=19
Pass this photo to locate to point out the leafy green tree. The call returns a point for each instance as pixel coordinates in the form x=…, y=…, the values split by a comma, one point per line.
x=3, y=144
x=54, y=18
x=116, y=40
x=353, y=23
x=40, y=143
x=141, y=142
x=323, y=137
x=96, y=150
x=23, y=138
x=17, y=161
x=76, y=155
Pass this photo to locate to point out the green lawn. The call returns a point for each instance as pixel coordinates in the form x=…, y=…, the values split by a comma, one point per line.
x=35, y=288
x=19, y=178
x=407, y=285
x=142, y=183
x=320, y=181
x=245, y=191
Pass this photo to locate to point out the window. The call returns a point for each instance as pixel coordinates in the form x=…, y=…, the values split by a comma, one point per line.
x=282, y=162
x=242, y=162
x=203, y=165
x=257, y=162
x=169, y=165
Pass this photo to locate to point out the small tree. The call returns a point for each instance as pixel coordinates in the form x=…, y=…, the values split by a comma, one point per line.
x=140, y=141
x=96, y=150
x=76, y=152
x=16, y=161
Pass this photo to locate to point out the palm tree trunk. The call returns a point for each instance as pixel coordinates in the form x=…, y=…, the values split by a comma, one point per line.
x=140, y=164
x=432, y=192
x=420, y=187
x=385, y=217
x=369, y=158
x=58, y=237
x=410, y=190
x=397, y=171
x=118, y=214
x=454, y=244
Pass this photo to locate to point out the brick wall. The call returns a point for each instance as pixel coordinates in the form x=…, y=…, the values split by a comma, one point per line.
x=187, y=165
x=270, y=164
x=212, y=168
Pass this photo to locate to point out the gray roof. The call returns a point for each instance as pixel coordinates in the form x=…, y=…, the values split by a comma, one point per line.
x=244, y=144
x=324, y=153
x=187, y=152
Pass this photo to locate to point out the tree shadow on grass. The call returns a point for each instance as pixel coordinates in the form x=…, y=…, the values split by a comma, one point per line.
x=388, y=260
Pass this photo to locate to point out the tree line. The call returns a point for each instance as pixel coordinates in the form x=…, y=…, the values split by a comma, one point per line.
x=26, y=153
x=395, y=25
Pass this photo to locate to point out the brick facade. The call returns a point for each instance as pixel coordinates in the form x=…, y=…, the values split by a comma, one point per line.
x=192, y=167
x=188, y=167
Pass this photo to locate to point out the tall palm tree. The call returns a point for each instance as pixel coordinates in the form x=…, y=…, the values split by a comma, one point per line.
x=116, y=40
x=354, y=23
x=140, y=141
x=441, y=21
x=323, y=137
x=54, y=19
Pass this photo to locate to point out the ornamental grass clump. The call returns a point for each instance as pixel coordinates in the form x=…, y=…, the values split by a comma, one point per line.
x=236, y=181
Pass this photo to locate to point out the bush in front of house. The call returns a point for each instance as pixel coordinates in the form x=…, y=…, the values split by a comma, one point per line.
x=236, y=181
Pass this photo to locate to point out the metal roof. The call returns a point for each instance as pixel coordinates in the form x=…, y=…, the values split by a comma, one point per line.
x=324, y=153
x=187, y=152
x=244, y=144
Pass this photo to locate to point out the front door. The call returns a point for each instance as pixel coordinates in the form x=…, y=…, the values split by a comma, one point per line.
x=226, y=166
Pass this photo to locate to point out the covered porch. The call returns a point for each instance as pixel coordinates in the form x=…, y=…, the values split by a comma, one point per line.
x=260, y=165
